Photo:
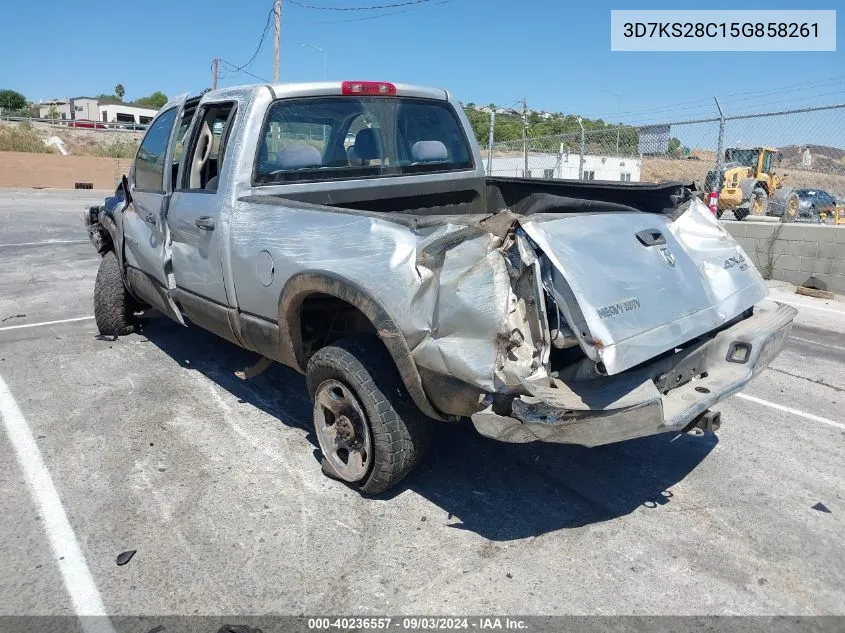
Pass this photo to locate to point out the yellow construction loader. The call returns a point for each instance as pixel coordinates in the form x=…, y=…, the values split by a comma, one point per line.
x=750, y=185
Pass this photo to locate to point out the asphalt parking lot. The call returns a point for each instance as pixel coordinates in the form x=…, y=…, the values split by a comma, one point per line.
x=152, y=444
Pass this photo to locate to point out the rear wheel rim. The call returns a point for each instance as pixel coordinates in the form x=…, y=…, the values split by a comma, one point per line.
x=343, y=430
x=792, y=208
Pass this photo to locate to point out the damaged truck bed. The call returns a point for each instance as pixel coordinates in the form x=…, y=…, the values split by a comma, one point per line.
x=392, y=270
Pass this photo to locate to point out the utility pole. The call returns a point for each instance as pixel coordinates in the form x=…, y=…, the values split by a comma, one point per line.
x=490, y=142
x=215, y=66
x=618, y=127
x=277, y=31
x=583, y=151
x=721, y=141
x=525, y=135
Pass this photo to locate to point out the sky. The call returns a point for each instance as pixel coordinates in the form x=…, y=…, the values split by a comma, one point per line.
x=554, y=53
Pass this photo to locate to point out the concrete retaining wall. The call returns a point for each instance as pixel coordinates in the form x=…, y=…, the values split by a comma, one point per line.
x=23, y=169
x=794, y=252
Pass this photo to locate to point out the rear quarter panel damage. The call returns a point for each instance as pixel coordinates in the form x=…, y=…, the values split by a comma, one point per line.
x=464, y=299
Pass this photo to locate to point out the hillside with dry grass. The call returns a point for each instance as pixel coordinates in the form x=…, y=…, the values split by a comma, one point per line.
x=658, y=169
x=27, y=137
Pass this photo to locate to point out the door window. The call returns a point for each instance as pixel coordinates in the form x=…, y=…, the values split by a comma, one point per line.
x=208, y=146
x=149, y=162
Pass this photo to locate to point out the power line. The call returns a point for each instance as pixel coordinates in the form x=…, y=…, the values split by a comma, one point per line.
x=375, y=17
x=367, y=8
x=234, y=69
x=705, y=103
x=258, y=48
x=653, y=118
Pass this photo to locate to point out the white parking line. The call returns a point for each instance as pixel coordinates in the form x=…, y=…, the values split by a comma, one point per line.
x=77, y=578
x=806, y=340
x=25, y=325
x=47, y=243
x=810, y=307
x=803, y=414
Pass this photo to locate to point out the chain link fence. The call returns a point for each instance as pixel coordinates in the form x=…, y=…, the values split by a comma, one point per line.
x=809, y=144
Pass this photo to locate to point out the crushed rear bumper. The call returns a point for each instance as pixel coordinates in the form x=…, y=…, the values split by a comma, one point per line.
x=662, y=396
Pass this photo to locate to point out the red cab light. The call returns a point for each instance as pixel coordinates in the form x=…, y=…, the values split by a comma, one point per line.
x=367, y=88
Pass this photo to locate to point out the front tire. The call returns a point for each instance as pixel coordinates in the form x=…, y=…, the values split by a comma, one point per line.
x=369, y=431
x=113, y=305
x=758, y=203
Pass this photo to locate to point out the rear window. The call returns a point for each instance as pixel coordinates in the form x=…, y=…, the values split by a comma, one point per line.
x=339, y=138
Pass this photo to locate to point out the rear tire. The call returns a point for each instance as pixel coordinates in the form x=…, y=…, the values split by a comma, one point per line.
x=359, y=372
x=785, y=203
x=113, y=305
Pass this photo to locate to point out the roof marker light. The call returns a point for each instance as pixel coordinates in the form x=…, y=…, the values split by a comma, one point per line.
x=367, y=88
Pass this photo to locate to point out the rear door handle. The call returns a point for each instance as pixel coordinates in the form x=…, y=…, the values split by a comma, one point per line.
x=651, y=237
x=205, y=223
x=151, y=219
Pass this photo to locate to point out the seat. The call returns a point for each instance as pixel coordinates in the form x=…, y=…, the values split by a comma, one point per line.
x=298, y=156
x=202, y=152
x=429, y=152
x=367, y=146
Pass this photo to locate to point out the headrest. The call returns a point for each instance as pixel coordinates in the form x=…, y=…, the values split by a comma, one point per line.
x=297, y=156
x=366, y=144
x=428, y=151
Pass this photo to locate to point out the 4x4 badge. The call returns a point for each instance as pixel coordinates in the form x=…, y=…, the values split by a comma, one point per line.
x=668, y=256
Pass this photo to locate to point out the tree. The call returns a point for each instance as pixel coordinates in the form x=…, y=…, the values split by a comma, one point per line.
x=53, y=112
x=674, y=147
x=12, y=100
x=157, y=99
x=119, y=90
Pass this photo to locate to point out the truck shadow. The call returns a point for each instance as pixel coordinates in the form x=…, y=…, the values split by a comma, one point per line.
x=499, y=491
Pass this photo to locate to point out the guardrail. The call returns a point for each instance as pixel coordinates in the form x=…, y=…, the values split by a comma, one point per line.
x=81, y=125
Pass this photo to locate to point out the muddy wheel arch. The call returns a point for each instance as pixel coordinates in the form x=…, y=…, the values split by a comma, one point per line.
x=305, y=284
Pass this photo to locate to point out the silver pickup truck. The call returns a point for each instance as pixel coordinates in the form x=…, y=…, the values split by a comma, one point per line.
x=348, y=230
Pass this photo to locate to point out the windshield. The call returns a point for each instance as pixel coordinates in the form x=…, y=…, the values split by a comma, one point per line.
x=745, y=157
x=338, y=138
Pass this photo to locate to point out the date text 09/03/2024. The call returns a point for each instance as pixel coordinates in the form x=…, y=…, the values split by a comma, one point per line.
x=417, y=623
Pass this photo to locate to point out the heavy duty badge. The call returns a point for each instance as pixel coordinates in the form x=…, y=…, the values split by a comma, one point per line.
x=668, y=256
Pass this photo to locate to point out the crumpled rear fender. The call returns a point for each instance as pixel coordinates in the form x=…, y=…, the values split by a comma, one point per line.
x=472, y=320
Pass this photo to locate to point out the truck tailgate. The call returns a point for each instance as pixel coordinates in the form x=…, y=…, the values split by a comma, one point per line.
x=635, y=285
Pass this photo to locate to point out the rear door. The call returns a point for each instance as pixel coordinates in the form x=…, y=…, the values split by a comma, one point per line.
x=197, y=234
x=150, y=186
x=635, y=285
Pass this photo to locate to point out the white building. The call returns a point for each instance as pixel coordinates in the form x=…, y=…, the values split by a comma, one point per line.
x=91, y=109
x=119, y=112
x=56, y=108
x=565, y=166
